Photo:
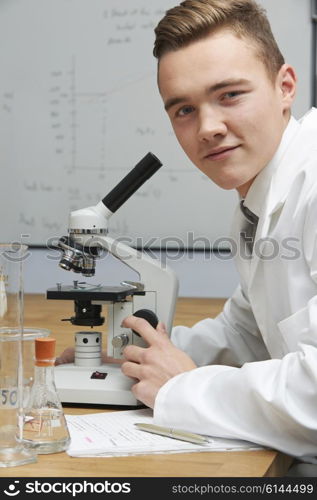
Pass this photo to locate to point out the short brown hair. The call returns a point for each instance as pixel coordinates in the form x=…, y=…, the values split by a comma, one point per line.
x=196, y=19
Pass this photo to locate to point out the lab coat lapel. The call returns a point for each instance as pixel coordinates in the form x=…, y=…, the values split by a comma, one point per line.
x=282, y=180
x=261, y=234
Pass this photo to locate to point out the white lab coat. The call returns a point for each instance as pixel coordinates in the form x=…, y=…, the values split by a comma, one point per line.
x=257, y=374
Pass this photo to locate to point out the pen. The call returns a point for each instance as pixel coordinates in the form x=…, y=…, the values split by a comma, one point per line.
x=173, y=433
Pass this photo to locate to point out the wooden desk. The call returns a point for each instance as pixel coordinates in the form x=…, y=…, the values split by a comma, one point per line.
x=40, y=312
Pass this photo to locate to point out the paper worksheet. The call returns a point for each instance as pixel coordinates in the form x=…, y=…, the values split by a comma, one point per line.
x=114, y=434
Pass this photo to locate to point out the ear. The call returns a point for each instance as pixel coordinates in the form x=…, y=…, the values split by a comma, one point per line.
x=286, y=84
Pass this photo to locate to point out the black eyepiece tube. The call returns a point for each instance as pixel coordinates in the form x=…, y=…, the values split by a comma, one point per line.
x=131, y=182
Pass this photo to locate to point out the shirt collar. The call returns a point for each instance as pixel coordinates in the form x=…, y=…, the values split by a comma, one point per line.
x=257, y=193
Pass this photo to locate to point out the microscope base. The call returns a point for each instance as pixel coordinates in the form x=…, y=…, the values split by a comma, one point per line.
x=98, y=385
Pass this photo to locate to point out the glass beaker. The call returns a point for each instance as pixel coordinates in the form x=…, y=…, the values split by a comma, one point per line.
x=12, y=451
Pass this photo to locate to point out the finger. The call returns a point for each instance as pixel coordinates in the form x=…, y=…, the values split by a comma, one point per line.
x=143, y=327
x=133, y=353
x=67, y=356
x=58, y=361
x=161, y=328
x=131, y=369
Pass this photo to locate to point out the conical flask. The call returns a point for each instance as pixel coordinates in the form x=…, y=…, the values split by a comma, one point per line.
x=44, y=424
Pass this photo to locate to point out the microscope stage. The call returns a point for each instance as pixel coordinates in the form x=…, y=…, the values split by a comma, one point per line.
x=96, y=293
x=100, y=385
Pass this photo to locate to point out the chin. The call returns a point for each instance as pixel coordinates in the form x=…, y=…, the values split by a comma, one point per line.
x=232, y=182
x=228, y=184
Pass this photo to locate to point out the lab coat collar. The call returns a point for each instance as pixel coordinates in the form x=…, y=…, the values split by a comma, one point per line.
x=302, y=142
x=260, y=187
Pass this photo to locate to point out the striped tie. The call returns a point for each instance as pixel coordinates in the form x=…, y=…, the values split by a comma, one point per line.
x=249, y=228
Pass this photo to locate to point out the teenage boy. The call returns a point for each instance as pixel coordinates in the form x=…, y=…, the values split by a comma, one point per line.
x=250, y=373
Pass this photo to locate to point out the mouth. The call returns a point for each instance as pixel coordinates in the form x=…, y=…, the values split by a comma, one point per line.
x=221, y=153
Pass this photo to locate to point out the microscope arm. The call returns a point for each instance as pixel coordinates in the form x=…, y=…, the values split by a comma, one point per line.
x=155, y=276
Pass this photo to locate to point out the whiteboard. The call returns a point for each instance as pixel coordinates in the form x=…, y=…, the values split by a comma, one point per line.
x=79, y=107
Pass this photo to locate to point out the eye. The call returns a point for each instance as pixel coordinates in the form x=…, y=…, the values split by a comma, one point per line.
x=185, y=110
x=231, y=95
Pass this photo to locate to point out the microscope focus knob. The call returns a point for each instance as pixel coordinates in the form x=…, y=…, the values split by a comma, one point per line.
x=120, y=341
x=147, y=314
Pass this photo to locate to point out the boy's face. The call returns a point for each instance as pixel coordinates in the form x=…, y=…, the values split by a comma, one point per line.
x=227, y=114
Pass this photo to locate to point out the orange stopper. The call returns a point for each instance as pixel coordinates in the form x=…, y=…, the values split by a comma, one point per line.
x=45, y=351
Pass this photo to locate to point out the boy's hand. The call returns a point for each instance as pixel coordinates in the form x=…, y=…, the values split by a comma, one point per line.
x=153, y=366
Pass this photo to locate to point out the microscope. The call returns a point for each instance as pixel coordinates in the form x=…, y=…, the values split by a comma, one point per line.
x=89, y=381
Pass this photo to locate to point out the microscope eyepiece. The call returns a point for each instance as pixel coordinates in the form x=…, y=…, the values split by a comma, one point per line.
x=142, y=171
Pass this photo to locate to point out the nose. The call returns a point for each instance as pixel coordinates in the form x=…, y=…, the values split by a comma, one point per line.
x=211, y=125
